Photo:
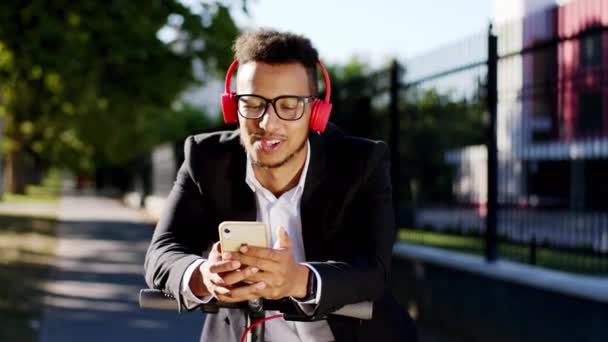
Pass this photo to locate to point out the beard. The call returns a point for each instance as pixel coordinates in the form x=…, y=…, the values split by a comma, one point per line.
x=278, y=164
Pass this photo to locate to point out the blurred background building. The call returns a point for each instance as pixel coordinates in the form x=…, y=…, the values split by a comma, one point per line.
x=551, y=126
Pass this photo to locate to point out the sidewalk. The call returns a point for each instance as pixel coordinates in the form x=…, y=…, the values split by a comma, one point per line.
x=93, y=291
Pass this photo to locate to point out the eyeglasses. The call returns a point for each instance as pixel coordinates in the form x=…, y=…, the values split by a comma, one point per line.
x=287, y=107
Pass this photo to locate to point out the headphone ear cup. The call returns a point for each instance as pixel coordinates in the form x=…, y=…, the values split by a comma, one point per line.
x=229, y=108
x=319, y=115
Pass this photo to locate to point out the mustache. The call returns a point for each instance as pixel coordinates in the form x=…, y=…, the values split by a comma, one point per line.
x=264, y=135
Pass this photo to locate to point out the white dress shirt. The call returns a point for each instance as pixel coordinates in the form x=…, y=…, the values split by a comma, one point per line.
x=278, y=212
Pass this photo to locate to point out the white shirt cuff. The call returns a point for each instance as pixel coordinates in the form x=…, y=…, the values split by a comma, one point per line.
x=310, y=306
x=190, y=300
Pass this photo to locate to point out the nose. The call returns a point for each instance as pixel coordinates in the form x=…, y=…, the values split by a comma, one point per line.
x=270, y=120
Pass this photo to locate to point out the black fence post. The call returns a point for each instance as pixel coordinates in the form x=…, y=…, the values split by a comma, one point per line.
x=532, y=258
x=491, y=239
x=395, y=129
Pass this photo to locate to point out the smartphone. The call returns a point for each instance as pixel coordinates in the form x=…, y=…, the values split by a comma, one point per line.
x=235, y=233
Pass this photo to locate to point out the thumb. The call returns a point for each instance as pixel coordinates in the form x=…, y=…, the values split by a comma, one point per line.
x=215, y=252
x=282, y=240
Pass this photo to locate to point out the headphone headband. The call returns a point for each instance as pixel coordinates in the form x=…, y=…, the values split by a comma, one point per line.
x=235, y=63
x=319, y=115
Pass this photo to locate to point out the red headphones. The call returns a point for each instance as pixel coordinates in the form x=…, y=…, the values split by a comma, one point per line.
x=320, y=108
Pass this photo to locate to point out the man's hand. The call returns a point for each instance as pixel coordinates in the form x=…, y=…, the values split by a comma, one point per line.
x=217, y=277
x=278, y=270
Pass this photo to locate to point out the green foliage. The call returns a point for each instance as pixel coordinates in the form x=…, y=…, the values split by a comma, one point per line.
x=86, y=83
x=48, y=191
x=432, y=124
x=188, y=120
x=352, y=91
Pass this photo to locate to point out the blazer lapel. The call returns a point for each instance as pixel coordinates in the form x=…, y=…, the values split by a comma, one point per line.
x=241, y=200
x=311, y=207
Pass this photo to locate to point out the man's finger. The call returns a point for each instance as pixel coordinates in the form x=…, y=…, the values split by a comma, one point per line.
x=215, y=252
x=261, y=252
x=260, y=263
x=283, y=238
x=221, y=290
x=228, y=299
x=217, y=247
x=238, y=275
x=216, y=279
x=224, y=266
x=242, y=291
x=266, y=277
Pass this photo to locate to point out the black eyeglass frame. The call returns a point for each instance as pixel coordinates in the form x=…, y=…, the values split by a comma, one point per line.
x=305, y=99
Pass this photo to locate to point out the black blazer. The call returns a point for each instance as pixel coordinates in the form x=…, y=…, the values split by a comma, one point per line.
x=348, y=225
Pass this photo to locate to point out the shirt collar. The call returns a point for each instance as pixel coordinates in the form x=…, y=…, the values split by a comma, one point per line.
x=255, y=185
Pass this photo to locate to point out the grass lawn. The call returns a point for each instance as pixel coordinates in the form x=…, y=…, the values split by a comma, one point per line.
x=569, y=261
x=27, y=247
x=48, y=191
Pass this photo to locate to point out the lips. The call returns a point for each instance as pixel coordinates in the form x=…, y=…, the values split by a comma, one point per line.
x=268, y=144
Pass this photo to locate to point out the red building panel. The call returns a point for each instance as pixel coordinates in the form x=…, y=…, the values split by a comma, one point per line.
x=583, y=70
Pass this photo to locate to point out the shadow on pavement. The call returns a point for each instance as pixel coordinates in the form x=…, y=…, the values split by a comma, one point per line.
x=93, y=291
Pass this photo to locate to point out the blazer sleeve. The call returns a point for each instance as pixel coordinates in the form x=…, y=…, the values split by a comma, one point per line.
x=362, y=273
x=180, y=236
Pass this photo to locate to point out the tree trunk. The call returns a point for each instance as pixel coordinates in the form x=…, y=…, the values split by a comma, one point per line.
x=13, y=177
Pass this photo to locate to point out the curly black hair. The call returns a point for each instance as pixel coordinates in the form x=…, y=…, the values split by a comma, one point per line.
x=274, y=47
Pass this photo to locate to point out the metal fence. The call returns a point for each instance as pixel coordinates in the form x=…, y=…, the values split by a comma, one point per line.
x=500, y=141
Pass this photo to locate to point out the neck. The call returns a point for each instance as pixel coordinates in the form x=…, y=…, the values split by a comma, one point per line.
x=281, y=179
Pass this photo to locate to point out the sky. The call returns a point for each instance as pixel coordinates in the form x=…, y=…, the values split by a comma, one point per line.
x=376, y=30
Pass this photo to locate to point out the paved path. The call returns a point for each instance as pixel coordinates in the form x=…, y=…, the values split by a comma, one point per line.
x=93, y=290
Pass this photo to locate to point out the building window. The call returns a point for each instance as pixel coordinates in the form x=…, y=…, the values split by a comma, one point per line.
x=549, y=182
x=591, y=50
x=543, y=94
x=596, y=192
x=590, y=119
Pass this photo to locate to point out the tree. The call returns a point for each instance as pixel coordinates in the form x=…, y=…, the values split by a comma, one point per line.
x=86, y=83
x=352, y=91
x=433, y=123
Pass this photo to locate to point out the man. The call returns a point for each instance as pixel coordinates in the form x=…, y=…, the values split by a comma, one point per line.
x=326, y=198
